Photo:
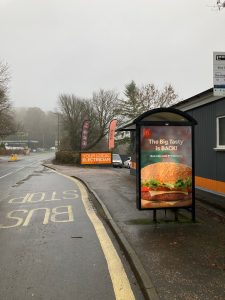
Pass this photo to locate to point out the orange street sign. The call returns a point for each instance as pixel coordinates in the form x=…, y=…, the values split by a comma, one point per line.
x=96, y=158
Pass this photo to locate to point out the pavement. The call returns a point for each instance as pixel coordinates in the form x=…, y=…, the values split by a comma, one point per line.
x=171, y=259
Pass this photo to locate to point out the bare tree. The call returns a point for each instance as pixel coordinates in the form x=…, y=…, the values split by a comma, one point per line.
x=150, y=97
x=220, y=4
x=7, y=125
x=4, y=76
x=105, y=107
x=74, y=112
x=100, y=110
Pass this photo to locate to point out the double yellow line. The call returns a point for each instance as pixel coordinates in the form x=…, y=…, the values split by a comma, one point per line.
x=120, y=282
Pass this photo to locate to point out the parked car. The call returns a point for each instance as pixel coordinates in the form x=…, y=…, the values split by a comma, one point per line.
x=127, y=163
x=117, y=161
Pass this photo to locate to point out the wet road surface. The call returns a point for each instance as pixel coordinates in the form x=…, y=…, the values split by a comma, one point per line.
x=184, y=260
x=52, y=243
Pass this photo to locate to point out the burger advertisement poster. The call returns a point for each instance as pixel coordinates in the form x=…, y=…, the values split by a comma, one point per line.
x=165, y=166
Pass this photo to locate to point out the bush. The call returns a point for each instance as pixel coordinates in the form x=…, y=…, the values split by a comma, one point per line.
x=67, y=157
x=2, y=146
x=10, y=151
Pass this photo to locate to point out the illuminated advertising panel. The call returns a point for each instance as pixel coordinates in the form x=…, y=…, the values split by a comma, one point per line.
x=165, y=166
x=96, y=158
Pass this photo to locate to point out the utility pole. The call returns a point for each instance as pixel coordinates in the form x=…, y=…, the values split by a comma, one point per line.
x=58, y=132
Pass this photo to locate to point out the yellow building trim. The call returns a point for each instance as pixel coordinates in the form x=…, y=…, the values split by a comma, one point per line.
x=210, y=184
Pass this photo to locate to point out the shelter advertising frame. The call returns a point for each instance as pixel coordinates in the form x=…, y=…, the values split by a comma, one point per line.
x=165, y=160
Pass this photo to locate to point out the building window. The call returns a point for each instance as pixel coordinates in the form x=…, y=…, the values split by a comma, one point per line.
x=221, y=132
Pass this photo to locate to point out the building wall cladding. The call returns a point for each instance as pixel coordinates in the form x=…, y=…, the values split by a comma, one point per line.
x=209, y=163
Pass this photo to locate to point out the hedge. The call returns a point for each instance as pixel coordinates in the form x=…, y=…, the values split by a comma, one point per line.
x=67, y=157
x=10, y=151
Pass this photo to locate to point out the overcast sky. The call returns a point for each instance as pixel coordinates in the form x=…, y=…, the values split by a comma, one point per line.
x=80, y=46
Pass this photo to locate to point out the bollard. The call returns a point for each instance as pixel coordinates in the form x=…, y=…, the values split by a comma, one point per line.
x=13, y=157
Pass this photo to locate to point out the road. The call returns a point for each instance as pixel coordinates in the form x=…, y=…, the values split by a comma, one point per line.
x=53, y=245
x=12, y=173
x=183, y=260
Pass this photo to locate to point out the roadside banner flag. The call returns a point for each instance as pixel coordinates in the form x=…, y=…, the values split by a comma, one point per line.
x=112, y=128
x=84, y=134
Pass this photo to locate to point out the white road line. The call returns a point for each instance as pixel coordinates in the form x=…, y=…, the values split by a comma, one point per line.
x=18, y=170
x=6, y=175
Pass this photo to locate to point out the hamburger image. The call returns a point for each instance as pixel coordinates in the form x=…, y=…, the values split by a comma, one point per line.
x=166, y=184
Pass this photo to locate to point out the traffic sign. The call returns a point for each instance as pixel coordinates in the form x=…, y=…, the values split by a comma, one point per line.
x=219, y=73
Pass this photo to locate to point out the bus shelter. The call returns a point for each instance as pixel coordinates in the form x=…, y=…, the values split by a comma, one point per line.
x=165, y=161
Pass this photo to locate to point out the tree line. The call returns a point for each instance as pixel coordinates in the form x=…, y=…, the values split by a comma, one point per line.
x=35, y=124
x=106, y=105
x=24, y=123
x=7, y=124
x=66, y=123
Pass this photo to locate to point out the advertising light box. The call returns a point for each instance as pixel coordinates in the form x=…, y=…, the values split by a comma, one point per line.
x=95, y=158
x=165, y=166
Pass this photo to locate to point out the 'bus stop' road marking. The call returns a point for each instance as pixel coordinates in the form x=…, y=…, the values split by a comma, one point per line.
x=121, y=284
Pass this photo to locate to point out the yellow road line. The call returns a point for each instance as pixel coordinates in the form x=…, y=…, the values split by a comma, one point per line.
x=121, y=284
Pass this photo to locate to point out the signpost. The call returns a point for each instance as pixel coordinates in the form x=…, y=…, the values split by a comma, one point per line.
x=219, y=73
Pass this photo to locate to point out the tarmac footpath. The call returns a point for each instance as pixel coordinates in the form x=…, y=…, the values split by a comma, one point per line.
x=171, y=259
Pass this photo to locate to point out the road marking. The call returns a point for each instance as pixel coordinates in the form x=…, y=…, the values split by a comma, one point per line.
x=71, y=194
x=6, y=175
x=12, y=172
x=30, y=199
x=69, y=212
x=42, y=197
x=10, y=216
x=31, y=212
x=49, y=214
x=24, y=199
x=121, y=284
x=17, y=170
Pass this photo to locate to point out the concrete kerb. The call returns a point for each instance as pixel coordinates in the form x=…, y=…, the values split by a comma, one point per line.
x=144, y=280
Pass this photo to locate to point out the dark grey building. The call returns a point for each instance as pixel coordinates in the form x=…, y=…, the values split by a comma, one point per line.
x=209, y=112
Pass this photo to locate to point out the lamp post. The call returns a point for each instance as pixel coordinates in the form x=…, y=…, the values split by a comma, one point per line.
x=58, y=132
